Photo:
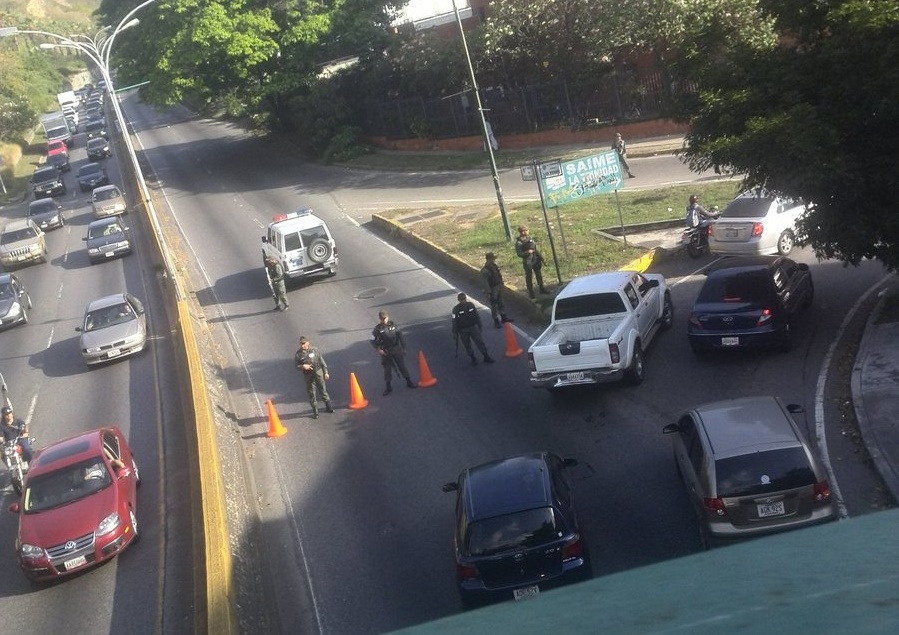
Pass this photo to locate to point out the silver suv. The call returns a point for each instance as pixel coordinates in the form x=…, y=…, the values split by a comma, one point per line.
x=22, y=242
x=748, y=470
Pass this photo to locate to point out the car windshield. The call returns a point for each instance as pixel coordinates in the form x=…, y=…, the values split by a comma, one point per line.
x=745, y=286
x=108, y=316
x=47, y=174
x=763, y=472
x=41, y=207
x=90, y=168
x=521, y=530
x=16, y=235
x=65, y=485
x=749, y=207
x=109, y=229
x=106, y=195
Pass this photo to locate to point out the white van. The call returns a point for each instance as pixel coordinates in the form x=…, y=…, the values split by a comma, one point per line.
x=302, y=243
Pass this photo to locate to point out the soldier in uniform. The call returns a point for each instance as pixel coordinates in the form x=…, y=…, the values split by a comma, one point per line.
x=493, y=289
x=275, y=273
x=467, y=327
x=387, y=339
x=315, y=371
x=531, y=259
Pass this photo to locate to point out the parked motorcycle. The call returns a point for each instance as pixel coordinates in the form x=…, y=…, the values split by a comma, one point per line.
x=696, y=239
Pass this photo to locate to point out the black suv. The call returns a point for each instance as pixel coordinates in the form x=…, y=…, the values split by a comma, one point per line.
x=517, y=532
x=749, y=303
x=47, y=181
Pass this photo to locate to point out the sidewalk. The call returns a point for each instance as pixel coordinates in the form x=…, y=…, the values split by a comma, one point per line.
x=875, y=387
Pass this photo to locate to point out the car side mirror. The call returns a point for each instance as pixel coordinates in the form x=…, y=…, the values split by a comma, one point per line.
x=650, y=284
x=78, y=328
x=14, y=508
x=264, y=239
x=795, y=409
x=450, y=487
x=123, y=472
x=671, y=428
x=568, y=462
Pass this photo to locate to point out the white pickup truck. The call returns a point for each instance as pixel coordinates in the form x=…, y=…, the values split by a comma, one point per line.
x=601, y=325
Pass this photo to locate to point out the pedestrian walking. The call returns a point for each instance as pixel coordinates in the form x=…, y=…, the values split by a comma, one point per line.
x=388, y=340
x=531, y=260
x=493, y=289
x=275, y=273
x=467, y=327
x=620, y=147
x=315, y=372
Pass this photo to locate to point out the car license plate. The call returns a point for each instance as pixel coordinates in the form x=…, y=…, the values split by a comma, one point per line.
x=115, y=352
x=574, y=376
x=74, y=563
x=731, y=233
x=771, y=509
x=109, y=253
x=730, y=341
x=526, y=592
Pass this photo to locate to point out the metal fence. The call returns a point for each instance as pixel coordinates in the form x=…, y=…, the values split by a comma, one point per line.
x=525, y=109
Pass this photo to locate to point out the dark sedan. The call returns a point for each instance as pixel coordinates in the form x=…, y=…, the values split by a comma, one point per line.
x=749, y=303
x=46, y=213
x=517, y=531
x=96, y=129
x=91, y=175
x=98, y=148
x=14, y=301
x=107, y=238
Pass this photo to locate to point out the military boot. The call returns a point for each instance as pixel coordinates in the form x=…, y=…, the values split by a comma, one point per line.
x=474, y=361
x=497, y=323
x=388, y=390
x=488, y=359
x=315, y=412
x=328, y=407
x=410, y=383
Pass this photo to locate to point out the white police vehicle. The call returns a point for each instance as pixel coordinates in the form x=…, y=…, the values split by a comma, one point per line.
x=302, y=243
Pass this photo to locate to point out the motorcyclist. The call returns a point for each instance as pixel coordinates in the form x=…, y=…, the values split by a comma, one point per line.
x=699, y=217
x=13, y=429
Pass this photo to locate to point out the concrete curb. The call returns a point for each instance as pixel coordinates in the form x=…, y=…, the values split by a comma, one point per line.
x=874, y=340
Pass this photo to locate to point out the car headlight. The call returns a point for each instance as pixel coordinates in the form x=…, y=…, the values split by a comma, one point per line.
x=133, y=339
x=93, y=250
x=108, y=524
x=14, y=309
x=92, y=350
x=30, y=551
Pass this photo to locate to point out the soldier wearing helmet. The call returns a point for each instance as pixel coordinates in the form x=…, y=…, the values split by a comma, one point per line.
x=15, y=430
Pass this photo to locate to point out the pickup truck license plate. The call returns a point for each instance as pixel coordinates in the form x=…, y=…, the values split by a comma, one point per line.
x=771, y=509
x=74, y=563
x=526, y=592
x=574, y=376
x=730, y=341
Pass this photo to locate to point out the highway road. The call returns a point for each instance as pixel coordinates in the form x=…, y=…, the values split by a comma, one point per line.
x=343, y=517
x=143, y=590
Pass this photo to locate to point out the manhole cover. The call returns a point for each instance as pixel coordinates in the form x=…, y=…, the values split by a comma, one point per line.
x=368, y=294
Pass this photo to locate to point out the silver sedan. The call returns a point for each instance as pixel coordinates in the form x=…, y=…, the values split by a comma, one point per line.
x=114, y=326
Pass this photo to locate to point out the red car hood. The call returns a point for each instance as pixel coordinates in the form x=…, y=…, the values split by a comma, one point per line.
x=55, y=526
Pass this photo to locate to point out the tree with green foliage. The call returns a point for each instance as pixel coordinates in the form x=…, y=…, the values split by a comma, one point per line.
x=814, y=115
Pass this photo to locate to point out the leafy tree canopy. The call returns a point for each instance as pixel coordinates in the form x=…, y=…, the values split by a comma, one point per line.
x=814, y=116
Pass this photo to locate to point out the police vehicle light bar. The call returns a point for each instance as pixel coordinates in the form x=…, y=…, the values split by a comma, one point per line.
x=303, y=212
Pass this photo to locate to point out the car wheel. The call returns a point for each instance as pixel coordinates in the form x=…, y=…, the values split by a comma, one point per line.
x=667, y=312
x=135, y=471
x=635, y=371
x=810, y=296
x=134, y=531
x=318, y=251
x=24, y=316
x=28, y=303
x=785, y=242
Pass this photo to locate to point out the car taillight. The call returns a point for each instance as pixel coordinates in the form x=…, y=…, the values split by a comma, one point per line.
x=757, y=229
x=465, y=572
x=532, y=366
x=765, y=317
x=573, y=549
x=822, y=491
x=694, y=320
x=714, y=504
x=614, y=353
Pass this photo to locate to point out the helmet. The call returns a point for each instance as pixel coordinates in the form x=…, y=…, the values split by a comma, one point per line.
x=694, y=198
x=6, y=410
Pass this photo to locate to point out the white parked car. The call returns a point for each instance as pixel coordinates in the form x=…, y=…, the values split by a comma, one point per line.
x=757, y=223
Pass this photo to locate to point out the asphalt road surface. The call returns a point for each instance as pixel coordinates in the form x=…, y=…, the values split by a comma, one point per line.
x=345, y=516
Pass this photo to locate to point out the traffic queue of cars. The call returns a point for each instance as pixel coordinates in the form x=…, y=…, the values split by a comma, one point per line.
x=78, y=501
x=745, y=464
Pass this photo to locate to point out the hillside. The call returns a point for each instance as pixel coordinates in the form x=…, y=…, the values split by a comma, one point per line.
x=32, y=12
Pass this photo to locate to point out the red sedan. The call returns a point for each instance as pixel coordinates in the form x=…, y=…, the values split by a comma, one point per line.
x=78, y=504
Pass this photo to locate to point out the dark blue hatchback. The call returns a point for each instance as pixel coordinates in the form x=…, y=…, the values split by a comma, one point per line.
x=749, y=303
x=517, y=531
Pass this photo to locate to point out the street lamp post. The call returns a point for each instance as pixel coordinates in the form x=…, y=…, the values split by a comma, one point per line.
x=487, y=141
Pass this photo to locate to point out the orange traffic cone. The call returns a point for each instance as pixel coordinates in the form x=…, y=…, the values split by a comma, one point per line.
x=425, y=378
x=275, y=429
x=357, y=401
x=512, y=347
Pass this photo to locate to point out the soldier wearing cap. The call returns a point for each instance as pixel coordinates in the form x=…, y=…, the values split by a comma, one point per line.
x=467, y=327
x=493, y=289
x=315, y=371
x=531, y=260
x=387, y=339
x=275, y=273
